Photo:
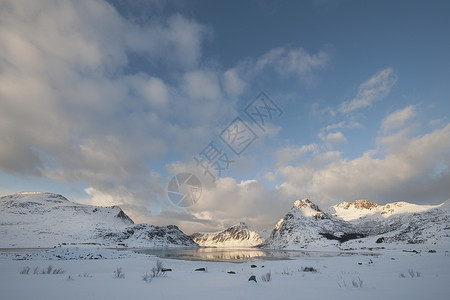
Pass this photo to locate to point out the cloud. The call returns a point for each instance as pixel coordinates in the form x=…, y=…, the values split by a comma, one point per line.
x=333, y=138
x=75, y=110
x=398, y=118
x=202, y=85
x=289, y=154
x=295, y=62
x=374, y=89
x=438, y=122
x=233, y=83
x=413, y=169
x=229, y=202
x=341, y=125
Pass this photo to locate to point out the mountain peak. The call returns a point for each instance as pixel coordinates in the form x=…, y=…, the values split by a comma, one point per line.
x=240, y=225
x=305, y=203
x=238, y=235
x=358, y=204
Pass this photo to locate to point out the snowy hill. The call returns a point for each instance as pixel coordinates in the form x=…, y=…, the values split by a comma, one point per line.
x=306, y=226
x=46, y=219
x=236, y=236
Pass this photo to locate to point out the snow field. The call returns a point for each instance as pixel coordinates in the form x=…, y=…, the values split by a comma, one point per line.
x=336, y=278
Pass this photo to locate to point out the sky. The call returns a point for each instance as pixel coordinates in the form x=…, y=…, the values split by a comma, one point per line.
x=105, y=101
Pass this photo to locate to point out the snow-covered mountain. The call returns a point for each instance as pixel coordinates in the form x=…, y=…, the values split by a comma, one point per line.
x=237, y=236
x=306, y=226
x=46, y=220
x=349, y=211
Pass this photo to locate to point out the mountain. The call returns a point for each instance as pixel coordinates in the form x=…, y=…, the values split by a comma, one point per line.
x=30, y=220
x=237, y=236
x=306, y=226
x=361, y=208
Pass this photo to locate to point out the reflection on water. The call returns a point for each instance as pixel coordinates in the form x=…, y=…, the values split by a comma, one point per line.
x=213, y=254
x=238, y=255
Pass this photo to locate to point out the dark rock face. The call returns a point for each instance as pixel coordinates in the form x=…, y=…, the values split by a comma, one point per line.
x=252, y=278
x=149, y=233
x=344, y=237
x=360, y=204
x=123, y=216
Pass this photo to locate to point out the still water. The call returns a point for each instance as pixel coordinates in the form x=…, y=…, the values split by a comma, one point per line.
x=239, y=255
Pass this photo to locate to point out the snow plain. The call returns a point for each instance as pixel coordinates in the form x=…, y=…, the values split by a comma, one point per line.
x=393, y=274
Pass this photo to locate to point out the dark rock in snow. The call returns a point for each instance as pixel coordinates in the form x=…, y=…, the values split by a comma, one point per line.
x=252, y=278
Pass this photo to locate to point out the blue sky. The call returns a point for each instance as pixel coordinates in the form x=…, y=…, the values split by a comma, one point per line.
x=104, y=101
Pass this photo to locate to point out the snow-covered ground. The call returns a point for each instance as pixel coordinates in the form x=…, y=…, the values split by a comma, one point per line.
x=89, y=274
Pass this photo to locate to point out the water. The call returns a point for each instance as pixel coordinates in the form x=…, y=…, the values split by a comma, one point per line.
x=239, y=255
x=234, y=255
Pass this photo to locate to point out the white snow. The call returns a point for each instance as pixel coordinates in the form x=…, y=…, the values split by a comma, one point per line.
x=392, y=275
x=350, y=211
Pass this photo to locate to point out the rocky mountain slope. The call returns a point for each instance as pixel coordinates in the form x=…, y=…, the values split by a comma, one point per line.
x=306, y=226
x=45, y=220
x=236, y=236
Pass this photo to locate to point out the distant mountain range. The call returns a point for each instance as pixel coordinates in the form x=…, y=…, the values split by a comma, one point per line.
x=47, y=220
x=238, y=235
x=359, y=224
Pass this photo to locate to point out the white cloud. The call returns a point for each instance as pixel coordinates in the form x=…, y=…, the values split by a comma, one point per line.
x=408, y=169
x=229, y=202
x=234, y=85
x=341, y=125
x=202, y=85
x=333, y=138
x=72, y=111
x=438, y=122
x=296, y=62
x=289, y=154
x=176, y=41
x=374, y=89
x=398, y=118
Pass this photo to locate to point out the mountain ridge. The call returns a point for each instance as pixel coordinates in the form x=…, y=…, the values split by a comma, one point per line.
x=306, y=225
x=33, y=219
x=238, y=235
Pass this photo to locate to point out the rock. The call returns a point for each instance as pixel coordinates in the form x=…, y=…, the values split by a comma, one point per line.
x=231, y=272
x=253, y=266
x=166, y=270
x=380, y=240
x=200, y=270
x=253, y=277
